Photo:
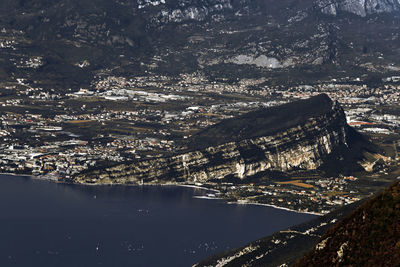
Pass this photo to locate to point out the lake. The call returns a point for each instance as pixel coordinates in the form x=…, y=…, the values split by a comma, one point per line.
x=49, y=224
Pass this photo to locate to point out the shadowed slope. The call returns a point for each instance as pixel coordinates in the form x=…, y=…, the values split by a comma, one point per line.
x=370, y=236
x=263, y=122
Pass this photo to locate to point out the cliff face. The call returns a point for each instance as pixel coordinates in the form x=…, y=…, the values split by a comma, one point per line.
x=302, y=146
x=359, y=7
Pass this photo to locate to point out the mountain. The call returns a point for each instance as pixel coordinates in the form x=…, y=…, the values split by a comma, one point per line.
x=303, y=135
x=285, y=41
x=369, y=236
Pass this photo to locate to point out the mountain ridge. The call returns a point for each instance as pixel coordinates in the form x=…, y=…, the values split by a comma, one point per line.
x=219, y=38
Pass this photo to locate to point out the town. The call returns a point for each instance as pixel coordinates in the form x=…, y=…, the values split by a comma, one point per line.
x=55, y=134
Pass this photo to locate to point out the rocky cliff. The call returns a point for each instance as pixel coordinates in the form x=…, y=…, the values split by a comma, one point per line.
x=358, y=7
x=303, y=137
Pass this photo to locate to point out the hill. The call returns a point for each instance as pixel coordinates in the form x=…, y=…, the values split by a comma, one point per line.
x=369, y=236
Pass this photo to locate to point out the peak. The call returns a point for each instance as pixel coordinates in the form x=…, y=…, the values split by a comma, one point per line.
x=321, y=97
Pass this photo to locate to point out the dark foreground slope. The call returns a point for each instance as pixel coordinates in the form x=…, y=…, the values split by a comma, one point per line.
x=370, y=236
x=304, y=135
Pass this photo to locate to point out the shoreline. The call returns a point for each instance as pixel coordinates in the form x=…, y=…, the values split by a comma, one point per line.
x=207, y=197
x=276, y=207
x=34, y=177
x=197, y=187
x=21, y=175
x=171, y=184
x=43, y=178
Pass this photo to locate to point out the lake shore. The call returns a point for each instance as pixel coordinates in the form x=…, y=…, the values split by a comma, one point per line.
x=43, y=178
x=276, y=207
x=21, y=175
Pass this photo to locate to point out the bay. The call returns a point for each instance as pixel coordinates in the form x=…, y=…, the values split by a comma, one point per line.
x=50, y=224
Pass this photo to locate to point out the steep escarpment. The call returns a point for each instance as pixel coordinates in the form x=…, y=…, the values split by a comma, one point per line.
x=367, y=237
x=303, y=137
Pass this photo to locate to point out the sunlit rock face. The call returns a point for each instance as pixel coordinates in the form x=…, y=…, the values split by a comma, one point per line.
x=188, y=9
x=185, y=10
x=302, y=146
x=359, y=7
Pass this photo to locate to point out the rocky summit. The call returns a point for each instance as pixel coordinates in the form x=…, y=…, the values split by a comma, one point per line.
x=304, y=135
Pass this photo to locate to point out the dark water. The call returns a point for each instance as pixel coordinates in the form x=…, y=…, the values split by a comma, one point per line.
x=47, y=224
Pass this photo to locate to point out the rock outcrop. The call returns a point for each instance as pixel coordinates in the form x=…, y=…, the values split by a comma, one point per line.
x=295, y=136
x=358, y=7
